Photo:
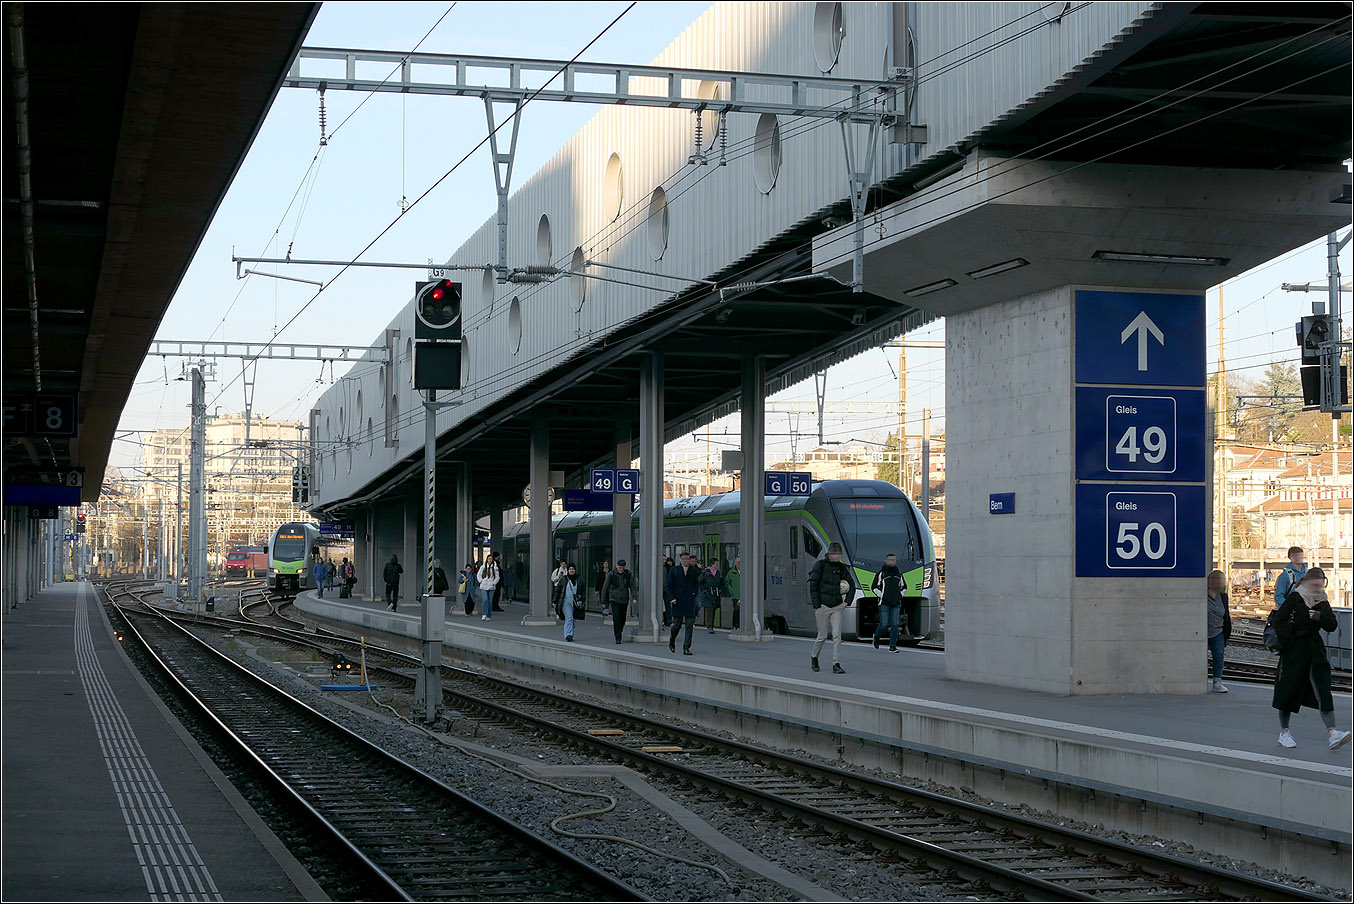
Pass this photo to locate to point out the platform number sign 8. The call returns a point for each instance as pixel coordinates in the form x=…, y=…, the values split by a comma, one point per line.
x=54, y=415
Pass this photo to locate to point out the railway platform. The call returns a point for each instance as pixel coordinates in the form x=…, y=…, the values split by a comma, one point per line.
x=1206, y=769
x=107, y=797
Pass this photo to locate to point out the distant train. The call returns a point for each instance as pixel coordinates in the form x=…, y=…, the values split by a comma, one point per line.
x=870, y=518
x=246, y=561
x=290, y=557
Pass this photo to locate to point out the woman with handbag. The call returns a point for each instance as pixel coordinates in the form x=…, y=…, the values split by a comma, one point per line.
x=1303, y=676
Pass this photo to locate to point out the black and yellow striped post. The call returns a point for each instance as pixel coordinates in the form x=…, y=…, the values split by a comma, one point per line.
x=428, y=688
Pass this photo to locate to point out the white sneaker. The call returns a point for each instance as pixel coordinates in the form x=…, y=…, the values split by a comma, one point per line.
x=1218, y=686
x=484, y=618
x=1286, y=739
x=1338, y=739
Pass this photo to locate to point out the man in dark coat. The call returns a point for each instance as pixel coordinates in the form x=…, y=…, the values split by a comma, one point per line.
x=830, y=592
x=618, y=593
x=683, y=584
x=391, y=574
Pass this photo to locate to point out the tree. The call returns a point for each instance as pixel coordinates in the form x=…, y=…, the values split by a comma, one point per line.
x=888, y=469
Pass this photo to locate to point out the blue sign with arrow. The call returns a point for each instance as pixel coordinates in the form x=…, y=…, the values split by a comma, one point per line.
x=1140, y=338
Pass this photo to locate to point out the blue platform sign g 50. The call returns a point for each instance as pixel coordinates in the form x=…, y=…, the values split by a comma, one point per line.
x=1140, y=338
x=1140, y=531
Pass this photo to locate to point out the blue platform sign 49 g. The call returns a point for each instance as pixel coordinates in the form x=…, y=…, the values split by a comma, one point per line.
x=1140, y=434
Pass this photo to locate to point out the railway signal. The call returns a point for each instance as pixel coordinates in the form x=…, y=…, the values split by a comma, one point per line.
x=437, y=309
x=80, y=523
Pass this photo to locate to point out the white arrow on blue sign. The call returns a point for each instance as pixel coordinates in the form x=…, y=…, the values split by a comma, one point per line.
x=1139, y=338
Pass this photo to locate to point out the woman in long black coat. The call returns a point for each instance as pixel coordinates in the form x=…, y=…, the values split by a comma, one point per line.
x=1303, y=676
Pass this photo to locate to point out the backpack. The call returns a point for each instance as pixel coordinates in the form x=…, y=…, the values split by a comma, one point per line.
x=1272, y=642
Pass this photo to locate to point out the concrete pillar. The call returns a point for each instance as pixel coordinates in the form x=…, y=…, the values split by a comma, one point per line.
x=362, y=551
x=465, y=517
x=1016, y=613
x=542, y=540
x=495, y=523
x=752, y=502
x=411, y=555
x=647, y=568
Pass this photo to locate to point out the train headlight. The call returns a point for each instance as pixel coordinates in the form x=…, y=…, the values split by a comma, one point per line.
x=928, y=577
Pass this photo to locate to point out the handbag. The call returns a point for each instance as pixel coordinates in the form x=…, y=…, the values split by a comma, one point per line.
x=1272, y=642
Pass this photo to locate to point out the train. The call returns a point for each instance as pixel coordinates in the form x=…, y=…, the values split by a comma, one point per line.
x=870, y=518
x=246, y=561
x=291, y=553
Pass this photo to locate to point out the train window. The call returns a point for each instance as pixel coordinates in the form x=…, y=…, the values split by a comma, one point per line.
x=811, y=545
x=667, y=550
x=794, y=543
x=677, y=550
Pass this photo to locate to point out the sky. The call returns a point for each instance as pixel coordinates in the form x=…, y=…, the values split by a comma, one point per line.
x=331, y=202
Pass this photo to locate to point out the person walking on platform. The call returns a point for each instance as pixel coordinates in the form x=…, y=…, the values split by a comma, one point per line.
x=561, y=569
x=709, y=595
x=321, y=571
x=348, y=574
x=888, y=587
x=1303, y=676
x=598, y=582
x=668, y=566
x=488, y=578
x=1219, y=625
x=568, y=594
x=498, y=588
x=440, y=583
x=391, y=575
x=830, y=592
x=618, y=593
x=733, y=589
x=510, y=582
x=470, y=584
x=1289, y=577
x=683, y=585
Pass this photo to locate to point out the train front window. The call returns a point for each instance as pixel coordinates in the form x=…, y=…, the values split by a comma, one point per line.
x=873, y=528
x=290, y=547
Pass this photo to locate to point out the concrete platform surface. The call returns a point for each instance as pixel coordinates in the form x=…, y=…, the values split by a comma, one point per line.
x=1211, y=753
x=106, y=796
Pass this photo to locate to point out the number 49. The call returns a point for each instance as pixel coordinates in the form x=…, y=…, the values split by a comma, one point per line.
x=1153, y=445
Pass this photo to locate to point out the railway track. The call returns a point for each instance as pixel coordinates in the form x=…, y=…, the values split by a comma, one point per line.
x=978, y=849
x=414, y=836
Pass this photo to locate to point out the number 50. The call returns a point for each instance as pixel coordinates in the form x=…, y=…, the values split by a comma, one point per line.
x=1153, y=541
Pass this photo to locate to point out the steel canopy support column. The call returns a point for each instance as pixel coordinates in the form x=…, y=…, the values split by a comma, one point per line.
x=428, y=687
x=647, y=567
x=752, y=501
x=197, y=508
x=465, y=518
x=542, y=543
x=411, y=584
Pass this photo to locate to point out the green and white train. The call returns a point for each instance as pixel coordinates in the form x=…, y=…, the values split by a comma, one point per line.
x=870, y=518
x=290, y=557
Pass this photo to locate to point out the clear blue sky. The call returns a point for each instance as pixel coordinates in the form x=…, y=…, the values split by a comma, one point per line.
x=333, y=205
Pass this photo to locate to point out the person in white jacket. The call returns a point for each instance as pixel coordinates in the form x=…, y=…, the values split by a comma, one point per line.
x=488, y=576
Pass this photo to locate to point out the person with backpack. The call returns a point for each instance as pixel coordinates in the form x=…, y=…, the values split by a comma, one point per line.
x=440, y=583
x=391, y=575
x=320, y=570
x=1289, y=577
x=733, y=589
x=1303, y=676
x=888, y=588
x=1219, y=625
x=348, y=575
x=618, y=593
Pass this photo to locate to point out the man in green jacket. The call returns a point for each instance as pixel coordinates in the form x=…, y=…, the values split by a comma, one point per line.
x=830, y=592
